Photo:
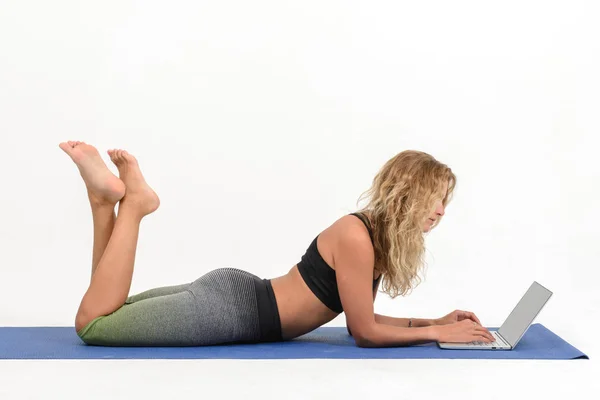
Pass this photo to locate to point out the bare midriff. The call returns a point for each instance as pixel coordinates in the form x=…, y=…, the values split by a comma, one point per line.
x=300, y=311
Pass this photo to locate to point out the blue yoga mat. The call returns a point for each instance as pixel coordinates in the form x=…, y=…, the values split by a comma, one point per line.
x=325, y=342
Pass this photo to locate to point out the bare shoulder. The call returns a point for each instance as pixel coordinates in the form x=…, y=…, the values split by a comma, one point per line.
x=351, y=226
x=349, y=233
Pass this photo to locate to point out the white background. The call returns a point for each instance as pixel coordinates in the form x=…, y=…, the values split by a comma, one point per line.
x=259, y=124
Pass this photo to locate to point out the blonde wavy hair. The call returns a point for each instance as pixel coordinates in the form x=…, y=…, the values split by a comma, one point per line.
x=403, y=195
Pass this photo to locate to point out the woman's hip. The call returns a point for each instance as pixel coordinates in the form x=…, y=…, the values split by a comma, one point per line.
x=248, y=297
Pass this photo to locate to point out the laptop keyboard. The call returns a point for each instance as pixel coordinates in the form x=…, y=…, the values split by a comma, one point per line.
x=495, y=343
x=485, y=344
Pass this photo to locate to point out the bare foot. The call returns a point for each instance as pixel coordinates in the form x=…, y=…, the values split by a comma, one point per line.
x=138, y=195
x=103, y=186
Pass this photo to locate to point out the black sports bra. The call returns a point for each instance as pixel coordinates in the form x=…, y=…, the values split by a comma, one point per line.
x=320, y=277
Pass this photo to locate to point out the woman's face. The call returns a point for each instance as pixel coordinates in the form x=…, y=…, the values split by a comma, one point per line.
x=437, y=212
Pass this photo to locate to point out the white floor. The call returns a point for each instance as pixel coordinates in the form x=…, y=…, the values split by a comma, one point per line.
x=299, y=379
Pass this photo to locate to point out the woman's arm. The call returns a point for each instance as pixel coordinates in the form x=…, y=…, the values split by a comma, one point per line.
x=423, y=335
x=403, y=322
x=382, y=335
x=374, y=296
x=400, y=322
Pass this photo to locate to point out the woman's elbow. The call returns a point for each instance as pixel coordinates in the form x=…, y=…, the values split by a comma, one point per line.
x=364, y=342
x=364, y=339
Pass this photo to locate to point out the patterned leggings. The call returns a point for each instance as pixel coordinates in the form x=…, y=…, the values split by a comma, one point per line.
x=226, y=305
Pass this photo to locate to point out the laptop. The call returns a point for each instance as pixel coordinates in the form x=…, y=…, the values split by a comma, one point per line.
x=515, y=326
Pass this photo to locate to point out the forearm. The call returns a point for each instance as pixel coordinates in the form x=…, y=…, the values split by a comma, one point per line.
x=403, y=322
x=382, y=335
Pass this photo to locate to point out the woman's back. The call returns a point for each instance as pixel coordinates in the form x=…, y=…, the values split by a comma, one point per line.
x=300, y=310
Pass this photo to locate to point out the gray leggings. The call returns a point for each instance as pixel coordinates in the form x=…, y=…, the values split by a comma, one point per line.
x=226, y=305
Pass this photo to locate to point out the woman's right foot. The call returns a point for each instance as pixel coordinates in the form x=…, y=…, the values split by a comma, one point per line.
x=139, y=195
x=103, y=186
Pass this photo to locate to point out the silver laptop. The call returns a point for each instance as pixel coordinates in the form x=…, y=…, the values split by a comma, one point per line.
x=513, y=329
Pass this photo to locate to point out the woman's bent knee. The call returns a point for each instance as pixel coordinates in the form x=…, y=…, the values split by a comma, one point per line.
x=84, y=320
x=81, y=320
x=85, y=331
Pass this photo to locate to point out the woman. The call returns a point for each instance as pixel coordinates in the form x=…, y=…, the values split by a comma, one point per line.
x=340, y=271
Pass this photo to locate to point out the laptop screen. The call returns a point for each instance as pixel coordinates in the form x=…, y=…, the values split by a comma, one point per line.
x=524, y=313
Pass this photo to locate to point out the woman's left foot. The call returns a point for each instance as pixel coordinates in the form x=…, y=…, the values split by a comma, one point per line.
x=139, y=195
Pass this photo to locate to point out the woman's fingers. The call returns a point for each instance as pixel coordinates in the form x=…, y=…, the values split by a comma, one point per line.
x=479, y=327
x=475, y=318
x=484, y=337
x=471, y=316
x=481, y=330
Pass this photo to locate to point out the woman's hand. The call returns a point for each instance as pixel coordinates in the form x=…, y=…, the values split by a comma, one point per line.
x=465, y=331
x=456, y=316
